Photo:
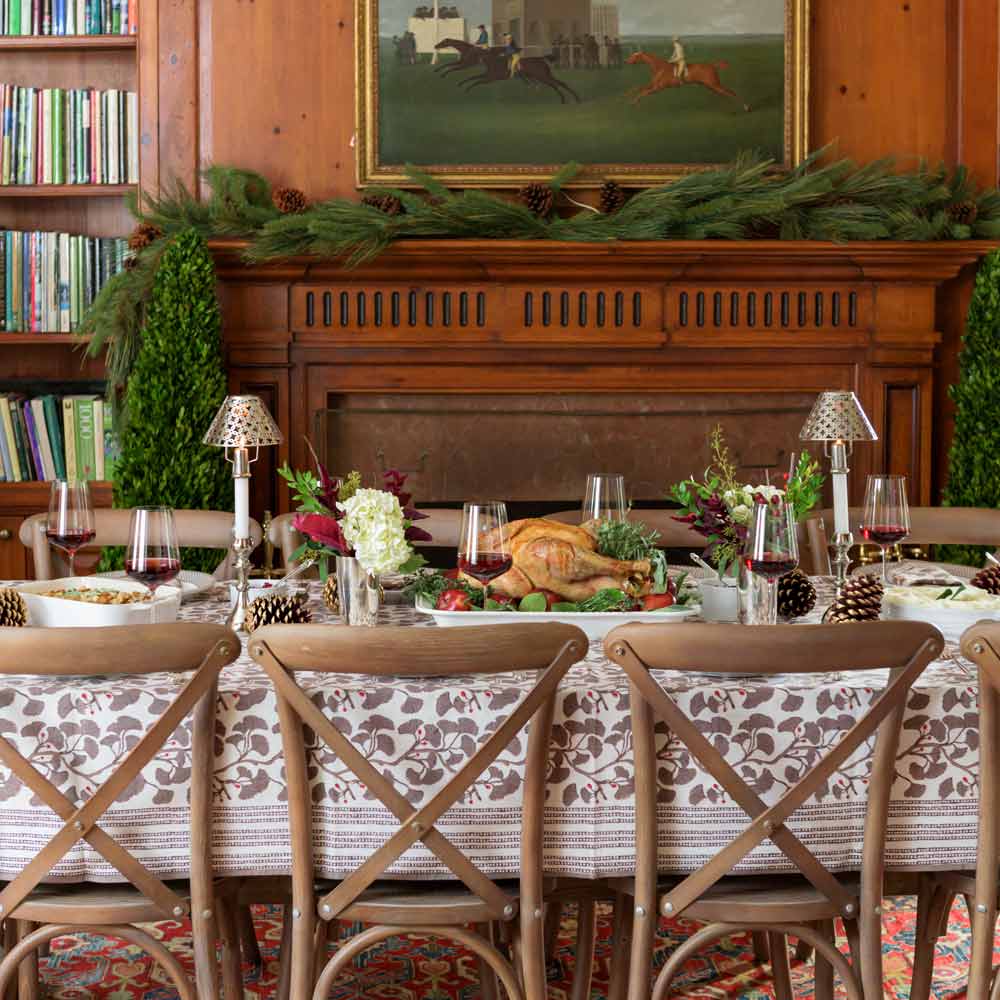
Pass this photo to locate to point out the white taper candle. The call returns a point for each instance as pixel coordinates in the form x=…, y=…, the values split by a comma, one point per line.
x=242, y=507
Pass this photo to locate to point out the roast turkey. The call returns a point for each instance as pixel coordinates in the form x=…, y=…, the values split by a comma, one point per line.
x=563, y=558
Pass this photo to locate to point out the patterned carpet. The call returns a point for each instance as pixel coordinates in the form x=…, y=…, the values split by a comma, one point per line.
x=426, y=969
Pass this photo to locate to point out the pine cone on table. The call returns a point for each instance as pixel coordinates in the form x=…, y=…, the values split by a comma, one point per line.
x=387, y=204
x=13, y=610
x=861, y=601
x=964, y=212
x=796, y=595
x=537, y=198
x=289, y=201
x=143, y=234
x=330, y=596
x=988, y=579
x=277, y=609
x=612, y=197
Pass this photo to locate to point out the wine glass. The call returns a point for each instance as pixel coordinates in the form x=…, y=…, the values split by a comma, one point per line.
x=886, y=517
x=152, y=556
x=605, y=498
x=772, y=550
x=70, y=524
x=484, y=544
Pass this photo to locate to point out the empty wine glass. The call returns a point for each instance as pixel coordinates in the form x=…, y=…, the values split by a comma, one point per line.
x=605, y=497
x=886, y=517
x=772, y=550
x=484, y=544
x=152, y=556
x=70, y=524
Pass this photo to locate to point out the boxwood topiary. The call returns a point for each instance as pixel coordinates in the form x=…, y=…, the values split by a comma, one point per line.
x=175, y=387
x=974, y=460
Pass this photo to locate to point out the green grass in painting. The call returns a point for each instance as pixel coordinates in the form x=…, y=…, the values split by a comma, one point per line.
x=429, y=120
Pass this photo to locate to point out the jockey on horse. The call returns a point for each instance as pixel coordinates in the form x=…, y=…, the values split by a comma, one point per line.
x=679, y=59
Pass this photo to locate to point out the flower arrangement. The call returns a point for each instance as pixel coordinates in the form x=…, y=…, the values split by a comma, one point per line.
x=341, y=517
x=720, y=508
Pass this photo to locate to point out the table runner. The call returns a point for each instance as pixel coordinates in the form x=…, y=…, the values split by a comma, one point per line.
x=421, y=731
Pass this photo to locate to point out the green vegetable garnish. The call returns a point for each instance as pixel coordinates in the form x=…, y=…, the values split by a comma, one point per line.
x=533, y=602
x=632, y=540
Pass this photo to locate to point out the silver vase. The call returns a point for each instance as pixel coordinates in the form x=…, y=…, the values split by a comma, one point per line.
x=358, y=591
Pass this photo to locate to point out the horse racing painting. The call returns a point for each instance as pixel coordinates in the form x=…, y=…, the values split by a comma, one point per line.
x=498, y=92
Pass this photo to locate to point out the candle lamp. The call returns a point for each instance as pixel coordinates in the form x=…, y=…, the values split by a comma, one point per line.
x=838, y=420
x=242, y=425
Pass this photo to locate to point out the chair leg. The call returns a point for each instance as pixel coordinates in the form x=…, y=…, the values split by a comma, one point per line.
x=284, y=988
x=488, y=987
x=933, y=906
x=780, y=968
x=553, y=921
x=761, y=952
x=248, y=936
x=823, y=985
x=232, y=966
x=583, y=968
x=803, y=951
x=9, y=940
x=854, y=945
x=27, y=973
x=621, y=946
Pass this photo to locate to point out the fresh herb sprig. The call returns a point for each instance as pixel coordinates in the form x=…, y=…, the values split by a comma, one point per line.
x=631, y=541
x=428, y=587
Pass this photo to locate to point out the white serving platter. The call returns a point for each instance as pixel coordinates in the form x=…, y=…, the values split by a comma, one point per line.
x=950, y=617
x=193, y=583
x=595, y=624
x=58, y=612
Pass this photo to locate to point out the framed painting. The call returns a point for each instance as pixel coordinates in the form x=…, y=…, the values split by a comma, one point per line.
x=497, y=93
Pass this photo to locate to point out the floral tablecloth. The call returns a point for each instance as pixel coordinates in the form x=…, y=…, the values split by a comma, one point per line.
x=421, y=731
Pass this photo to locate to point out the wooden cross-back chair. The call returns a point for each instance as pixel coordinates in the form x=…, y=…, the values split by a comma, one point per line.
x=803, y=907
x=399, y=907
x=114, y=910
x=981, y=645
x=210, y=529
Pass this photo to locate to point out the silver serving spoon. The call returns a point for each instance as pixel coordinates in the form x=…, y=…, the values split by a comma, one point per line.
x=724, y=580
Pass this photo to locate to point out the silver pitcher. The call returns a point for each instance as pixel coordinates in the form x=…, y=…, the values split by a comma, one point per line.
x=358, y=591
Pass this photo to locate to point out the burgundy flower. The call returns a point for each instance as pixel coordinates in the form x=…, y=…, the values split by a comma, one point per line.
x=329, y=488
x=323, y=529
x=412, y=514
x=414, y=534
x=393, y=480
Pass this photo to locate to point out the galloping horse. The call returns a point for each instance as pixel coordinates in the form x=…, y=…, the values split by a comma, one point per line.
x=469, y=55
x=531, y=69
x=664, y=77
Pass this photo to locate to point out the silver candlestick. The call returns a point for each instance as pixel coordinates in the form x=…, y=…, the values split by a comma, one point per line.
x=243, y=547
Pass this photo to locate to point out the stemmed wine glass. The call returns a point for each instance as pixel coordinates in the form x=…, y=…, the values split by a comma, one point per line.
x=153, y=556
x=484, y=544
x=772, y=550
x=605, y=498
x=70, y=524
x=886, y=517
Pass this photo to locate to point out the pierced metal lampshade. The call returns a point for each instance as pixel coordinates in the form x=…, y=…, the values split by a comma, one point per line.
x=243, y=422
x=837, y=416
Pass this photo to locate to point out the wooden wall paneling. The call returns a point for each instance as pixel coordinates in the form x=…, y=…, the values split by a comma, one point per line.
x=978, y=99
x=148, y=86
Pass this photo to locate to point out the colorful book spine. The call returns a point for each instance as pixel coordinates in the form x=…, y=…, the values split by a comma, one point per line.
x=69, y=437
x=85, y=455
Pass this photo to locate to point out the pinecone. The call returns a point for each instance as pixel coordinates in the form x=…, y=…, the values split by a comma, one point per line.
x=143, y=235
x=277, y=609
x=387, y=204
x=988, y=579
x=289, y=201
x=330, y=596
x=796, y=595
x=537, y=198
x=964, y=212
x=612, y=197
x=861, y=601
x=13, y=610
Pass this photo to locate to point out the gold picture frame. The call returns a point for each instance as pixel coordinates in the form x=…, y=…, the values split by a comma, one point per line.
x=373, y=170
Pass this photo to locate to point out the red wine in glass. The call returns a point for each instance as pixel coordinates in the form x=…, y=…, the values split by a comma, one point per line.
x=70, y=539
x=884, y=534
x=70, y=521
x=772, y=566
x=153, y=570
x=485, y=566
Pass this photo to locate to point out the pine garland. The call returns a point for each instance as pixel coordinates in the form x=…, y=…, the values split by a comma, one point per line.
x=744, y=200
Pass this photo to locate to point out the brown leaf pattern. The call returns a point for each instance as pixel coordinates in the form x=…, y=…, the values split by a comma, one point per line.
x=418, y=733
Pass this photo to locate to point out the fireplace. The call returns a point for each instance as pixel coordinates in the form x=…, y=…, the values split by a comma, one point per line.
x=515, y=368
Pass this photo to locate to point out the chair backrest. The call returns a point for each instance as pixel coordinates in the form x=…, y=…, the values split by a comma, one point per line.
x=928, y=526
x=905, y=648
x=199, y=648
x=210, y=529
x=283, y=650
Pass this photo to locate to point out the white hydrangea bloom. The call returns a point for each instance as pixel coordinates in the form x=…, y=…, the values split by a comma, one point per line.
x=373, y=527
x=741, y=501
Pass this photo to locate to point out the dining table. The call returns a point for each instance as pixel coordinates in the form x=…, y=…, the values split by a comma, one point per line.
x=419, y=731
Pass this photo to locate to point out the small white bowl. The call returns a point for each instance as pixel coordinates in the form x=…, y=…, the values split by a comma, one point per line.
x=58, y=612
x=718, y=602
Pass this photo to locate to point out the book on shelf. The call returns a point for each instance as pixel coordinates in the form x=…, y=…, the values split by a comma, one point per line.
x=69, y=17
x=60, y=135
x=49, y=280
x=49, y=437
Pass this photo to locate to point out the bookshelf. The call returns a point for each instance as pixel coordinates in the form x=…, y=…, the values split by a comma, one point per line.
x=35, y=361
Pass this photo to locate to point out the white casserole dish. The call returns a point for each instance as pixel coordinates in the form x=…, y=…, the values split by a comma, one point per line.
x=59, y=612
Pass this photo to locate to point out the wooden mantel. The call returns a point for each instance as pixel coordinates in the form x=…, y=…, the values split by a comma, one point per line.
x=541, y=317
